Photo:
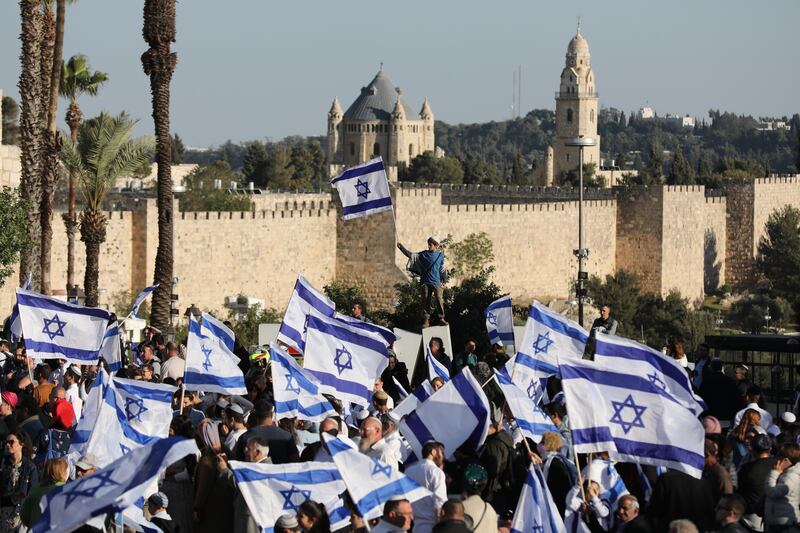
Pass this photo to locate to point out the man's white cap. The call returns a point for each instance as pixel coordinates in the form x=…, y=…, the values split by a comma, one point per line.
x=789, y=417
x=434, y=238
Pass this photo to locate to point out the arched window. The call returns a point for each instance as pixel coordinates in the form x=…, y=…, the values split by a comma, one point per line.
x=376, y=149
x=569, y=115
x=591, y=115
x=410, y=151
x=352, y=148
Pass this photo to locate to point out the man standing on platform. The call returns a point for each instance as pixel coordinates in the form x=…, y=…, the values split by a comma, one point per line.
x=429, y=266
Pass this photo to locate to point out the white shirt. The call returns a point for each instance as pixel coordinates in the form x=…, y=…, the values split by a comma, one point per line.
x=399, y=444
x=173, y=368
x=386, y=453
x=73, y=395
x=430, y=476
x=766, y=418
x=233, y=438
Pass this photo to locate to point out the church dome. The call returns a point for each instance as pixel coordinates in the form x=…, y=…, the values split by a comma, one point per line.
x=377, y=100
x=578, y=46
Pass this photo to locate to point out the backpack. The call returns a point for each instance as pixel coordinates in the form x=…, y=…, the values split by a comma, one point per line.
x=58, y=442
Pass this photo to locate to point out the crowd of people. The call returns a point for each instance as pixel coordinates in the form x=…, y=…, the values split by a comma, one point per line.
x=750, y=482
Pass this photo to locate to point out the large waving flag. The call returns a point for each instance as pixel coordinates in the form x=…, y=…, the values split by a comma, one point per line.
x=423, y=391
x=304, y=298
x=435, y=368
x=60, y=330
x=297, y=393
x=220, y=330
x=89, y=413
x=455, y=414
x=210, y=364
x=536, y=510
x=111, y=349
x=147, y=291
x=15, y=324
x=370, y=482
x=630, y=417
x=274, y=490
x=133, y=414
x=605, y=474
x=110, y=489
x=345, y=360
x=641, y=360
x=548, y=336
x=364, y=189
x=500, y=323
x=531, y=420
x=387, y=334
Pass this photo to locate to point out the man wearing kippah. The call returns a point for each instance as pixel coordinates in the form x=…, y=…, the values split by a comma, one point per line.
x=429, y=266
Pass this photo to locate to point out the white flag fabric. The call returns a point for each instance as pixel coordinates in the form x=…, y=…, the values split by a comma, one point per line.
x=531, y=420
x=388, y=335
x=89, y=413
x=364, y=189
x=133, y=414
x=536, y=510
x=133, y=518
x=60, y=330
x=110, y=489
x=629, y=417
x=111, y=349
x=147, y=291
x=15, y=324
x=370, y=482
x=500, y=323
x=664, y=372
x=274, y=490
x=345, y=360
x=435, y=368
x=423, y=391
x=304, y=298
x=210, y=365
x=605, y=474
x=220, y=330
x=296, y=392
x=548, y=336
x=455, y=414
x=400, y=390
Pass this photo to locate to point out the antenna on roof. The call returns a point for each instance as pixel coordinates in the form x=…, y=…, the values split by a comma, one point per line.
x=579, y=25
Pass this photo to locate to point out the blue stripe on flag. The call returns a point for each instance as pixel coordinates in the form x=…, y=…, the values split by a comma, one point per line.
x=199, y=378
x=418, y=428
x=293, y=334
x=501, y=304
x=45, y=348
x=313, y=300
x=146, y=393
x=308, y=477
x=305, y=410
x=614, y=379
x=366, y=206
x=659, y=451
x=558, y=326
x=591, y=435
x=621, y=351
x=341, y=385
x=473, y=401
x=346, y=335
x=535, y=364
x=379, y=496
x=536, y=428
x=421, y=393
x=358, y=172
x=302, y=381
x=56, y=305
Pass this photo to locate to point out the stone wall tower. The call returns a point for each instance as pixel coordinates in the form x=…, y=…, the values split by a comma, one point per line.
x=335, y=134
x=576, y=109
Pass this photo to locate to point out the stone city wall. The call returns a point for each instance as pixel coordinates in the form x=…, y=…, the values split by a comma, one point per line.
x=10, y=166
x=714, y=242
x=683, y=234
x=639, y=235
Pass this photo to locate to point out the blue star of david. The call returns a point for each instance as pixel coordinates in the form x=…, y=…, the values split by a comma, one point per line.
x=289, y=379
x=492, y=318
x=288, y=495
x=627, y=425
x=378, y=468
x=343, y=360
x=656, y=380
x=542, y=343
x=538, y=529
x=47, y=330
x=124, y=449
x=87, y=487
x=207, y=354
x=532, y=389
x=362, y=189
x=135, y=408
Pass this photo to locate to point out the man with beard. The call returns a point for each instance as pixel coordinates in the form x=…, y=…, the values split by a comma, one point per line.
x=374, y=445
x=429, y=473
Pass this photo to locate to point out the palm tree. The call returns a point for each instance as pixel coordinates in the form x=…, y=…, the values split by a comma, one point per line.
x=103, y=153
x=159, y=62
x=76, y=79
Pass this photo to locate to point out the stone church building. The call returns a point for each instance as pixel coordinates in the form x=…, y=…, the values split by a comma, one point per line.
x=378, y=123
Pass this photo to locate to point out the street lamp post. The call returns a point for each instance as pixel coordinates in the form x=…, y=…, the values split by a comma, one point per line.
x=581, y=253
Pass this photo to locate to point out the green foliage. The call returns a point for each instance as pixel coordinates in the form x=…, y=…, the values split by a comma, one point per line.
x=201, y=195
x=77, y=78
x=654, y=169
x=750, y=310
x=477, y=170
x=254, y=166
x=573, y=179
x=14, y=235
x=10, y=114
x=620, y=291
x=680, y=172
x=122, y=301
x=779, y=255
x=345, y=295
x=245, y=326
x=178, y=150
x=470, y=256
x=427, y=168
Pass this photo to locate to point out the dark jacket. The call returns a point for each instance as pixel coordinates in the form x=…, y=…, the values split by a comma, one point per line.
x=637, y=525
x=451, y=526
x=678, y=495
x=721, y=396
x=752, y=479
x=28, y=477
x=559, y=481
x=497, y=458
x=282, y=448
x=399, y=372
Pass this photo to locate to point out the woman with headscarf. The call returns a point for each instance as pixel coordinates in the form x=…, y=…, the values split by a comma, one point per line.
x=213, y=497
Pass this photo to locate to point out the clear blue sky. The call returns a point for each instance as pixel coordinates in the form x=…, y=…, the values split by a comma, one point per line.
x=266, y=69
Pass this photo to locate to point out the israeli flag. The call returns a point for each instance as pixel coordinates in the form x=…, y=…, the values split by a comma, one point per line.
x=345, y=360
x=531, y=420
x=220, y=330
x=210, y=365
x=147, y=291
x=605, y=474
x=455, y=414
x=111, y=349
x=400, y=390
x=388, y=335
x=89, y=413
x=423, y=391
x=435, y=368
x=133, y=518
x=60, y=330
x=370, y=482
x=536, y=510
x=304, y=298
x=630, y=417
x=112, y=488
x=15, y=324
x=133, y=414
x=274, y=490
x=364, y=189
x=500, y=323
x=296, y=393
x=548, y=336
x=663, y=372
